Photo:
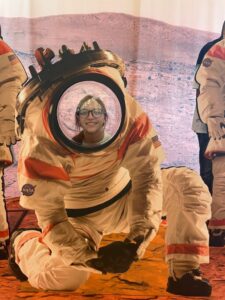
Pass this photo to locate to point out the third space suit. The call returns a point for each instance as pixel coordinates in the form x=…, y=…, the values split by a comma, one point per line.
x=211, y=104
x=12, y=75
x=79, y=197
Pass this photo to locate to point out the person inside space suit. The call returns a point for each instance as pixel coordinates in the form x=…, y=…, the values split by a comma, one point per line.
x=91, y=116
x=211, y=106
x=83, y=191
x=12, y=75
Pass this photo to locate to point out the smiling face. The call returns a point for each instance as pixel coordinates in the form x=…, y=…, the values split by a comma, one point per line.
x=92, y=117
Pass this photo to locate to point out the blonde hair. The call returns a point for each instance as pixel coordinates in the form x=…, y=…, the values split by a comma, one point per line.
x=83, y=101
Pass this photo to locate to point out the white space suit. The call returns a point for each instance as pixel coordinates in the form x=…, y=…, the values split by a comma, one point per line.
x=55, y=182
x=211, y=105
x=187, y=205
x=12, y=75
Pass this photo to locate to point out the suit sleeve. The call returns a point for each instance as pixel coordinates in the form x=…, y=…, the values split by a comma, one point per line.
x=12, y=76
x=211, y=77
x=142, y=158
x=43, y=182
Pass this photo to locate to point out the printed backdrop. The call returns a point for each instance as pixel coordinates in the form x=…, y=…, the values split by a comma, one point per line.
x=159, y=41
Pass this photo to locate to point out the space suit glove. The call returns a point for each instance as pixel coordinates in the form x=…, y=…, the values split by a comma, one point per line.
x=7, y=132
x=141, y=234
x=84, y=253
x=8, y=140
x=79, y=252
x=216, y=127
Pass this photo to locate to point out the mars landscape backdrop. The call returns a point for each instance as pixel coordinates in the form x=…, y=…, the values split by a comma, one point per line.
x=160, y=61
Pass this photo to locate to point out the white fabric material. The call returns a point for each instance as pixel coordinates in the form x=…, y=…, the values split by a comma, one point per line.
x=9, y=138
x=179, y=268
x=211, y=104
x=143, y=164
x=218, y=205
x=143, y=234
x=216, y=127
x=186, y=201
x=49, y=272
x=6, y=157
x=75, y=248
x=45, y=271
x=211, y=77
x=197, y=125
x=12, y=75
x=187, y=206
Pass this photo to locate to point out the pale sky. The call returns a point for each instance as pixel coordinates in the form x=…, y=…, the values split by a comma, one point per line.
x=199, y=14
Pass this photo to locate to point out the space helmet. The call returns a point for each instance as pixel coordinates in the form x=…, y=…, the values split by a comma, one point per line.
x=81, y=96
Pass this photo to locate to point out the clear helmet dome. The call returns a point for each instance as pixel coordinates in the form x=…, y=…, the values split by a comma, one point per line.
x=88, y=114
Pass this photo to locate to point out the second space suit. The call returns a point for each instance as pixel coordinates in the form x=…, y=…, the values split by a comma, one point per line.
x=211, y=104
x=12, y=75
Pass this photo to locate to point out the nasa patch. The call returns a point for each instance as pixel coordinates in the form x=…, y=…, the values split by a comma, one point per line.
x=28, y=189
x=207, y=62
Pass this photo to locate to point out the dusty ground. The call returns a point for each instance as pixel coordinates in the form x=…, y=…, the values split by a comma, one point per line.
x=145, y=280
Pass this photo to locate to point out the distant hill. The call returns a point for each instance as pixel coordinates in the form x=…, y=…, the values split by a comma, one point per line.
x=131, y=37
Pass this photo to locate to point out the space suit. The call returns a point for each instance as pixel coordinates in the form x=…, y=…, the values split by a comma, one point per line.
x=12, y=75
x=79, y=196
x=211, y=105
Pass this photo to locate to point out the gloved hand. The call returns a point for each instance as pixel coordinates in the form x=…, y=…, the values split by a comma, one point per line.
x=74, y=247
x=141, y=234
x=6, y=158
x=216, y=127
x=116, y=257
x=7, y=133
x=8, y=140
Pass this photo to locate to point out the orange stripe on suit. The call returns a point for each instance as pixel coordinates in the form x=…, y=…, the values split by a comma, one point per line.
x=139, y=130
x=4, y=48
x=35, y=169
x=217, y=51
x=196, y=249
x=4, y=234
x=215, y=222
x=25, y=238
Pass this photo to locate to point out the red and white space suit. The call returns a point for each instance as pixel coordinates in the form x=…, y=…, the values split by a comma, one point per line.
x=211, y=106
x=55, y=182
x=12, y=75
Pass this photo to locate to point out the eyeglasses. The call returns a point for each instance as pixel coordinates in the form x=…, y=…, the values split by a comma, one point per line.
x=95, y=112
